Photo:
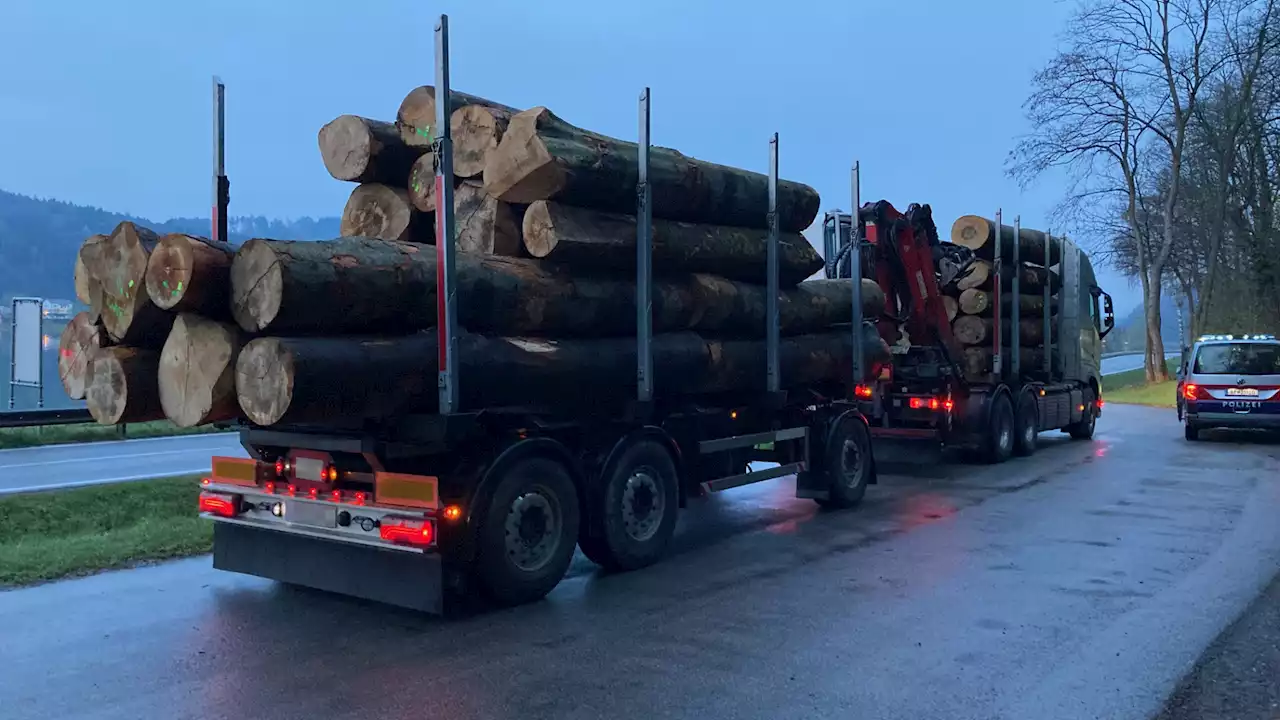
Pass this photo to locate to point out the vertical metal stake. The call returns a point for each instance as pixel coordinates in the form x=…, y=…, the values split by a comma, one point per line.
x=771, y=301
x=997, y=356
x=221, y=186
x=446, y=300
x=644, y=262
x=1048, y=315
x=1015, y=332
x=855, y=273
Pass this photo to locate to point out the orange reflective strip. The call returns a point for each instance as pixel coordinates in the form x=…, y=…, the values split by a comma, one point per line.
x=407, y=490
x=237, y=471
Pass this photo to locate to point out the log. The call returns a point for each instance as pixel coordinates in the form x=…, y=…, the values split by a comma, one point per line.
x=979, y=302
x=977, y=360
x=81, y=339
x=364, y=285
x=952, y=306
x=974, y=301
x=318, y=380
x=196, y=377
x=417, y=115
x=979, y=275
x=737, y=309
x=88, y=289
x=361, y=150
x=974, y=330
x=122, y=386
x=476, y=131
x=542, y=157
x=594, y=240
x=128, y=314
x=484, y=224
x=1032, y=279
x=186, y=273
x=978, y=234
x=422, y=183
x=386, y=213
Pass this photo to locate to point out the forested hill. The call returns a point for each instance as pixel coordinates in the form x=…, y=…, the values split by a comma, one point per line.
x=39, y=239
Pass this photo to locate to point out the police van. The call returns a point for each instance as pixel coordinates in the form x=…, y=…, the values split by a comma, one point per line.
x=1232, y=382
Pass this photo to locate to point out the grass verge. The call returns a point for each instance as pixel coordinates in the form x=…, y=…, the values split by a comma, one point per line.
x=51, y=535
x=91, y=432
x=1131, y=388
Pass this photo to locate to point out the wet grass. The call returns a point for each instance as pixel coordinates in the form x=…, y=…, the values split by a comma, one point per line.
x=92, y=432
x=52, y=535
x=1132, y=388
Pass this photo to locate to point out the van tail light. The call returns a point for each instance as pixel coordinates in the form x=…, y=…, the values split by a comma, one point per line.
x=222, y=505
x=1189, y=391
x=408, y=532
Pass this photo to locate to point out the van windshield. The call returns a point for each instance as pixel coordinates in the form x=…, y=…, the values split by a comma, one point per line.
x=1238, y=359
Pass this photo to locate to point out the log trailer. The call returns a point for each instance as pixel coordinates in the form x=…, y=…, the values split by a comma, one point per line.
x=924, y=402
x=420, y=512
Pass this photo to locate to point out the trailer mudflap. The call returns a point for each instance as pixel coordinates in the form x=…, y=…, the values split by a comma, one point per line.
x=408, y=580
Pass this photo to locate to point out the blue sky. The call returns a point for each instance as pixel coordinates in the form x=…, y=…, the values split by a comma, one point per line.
x=108, y=103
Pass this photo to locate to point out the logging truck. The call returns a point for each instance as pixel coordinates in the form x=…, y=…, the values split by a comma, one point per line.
x=995, y=336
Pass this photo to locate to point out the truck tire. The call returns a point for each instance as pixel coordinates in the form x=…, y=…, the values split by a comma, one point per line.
x=526, y=535
x=1083, y=429
x=639, y=500
x=1026, y=426
x=847, y=463
x=1000, y=431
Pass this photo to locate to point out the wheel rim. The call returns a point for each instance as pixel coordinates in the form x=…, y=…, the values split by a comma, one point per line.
x=851, y=464
x=1005, y=435
x=643, y=505
x=1028, y=434
x=532, y=529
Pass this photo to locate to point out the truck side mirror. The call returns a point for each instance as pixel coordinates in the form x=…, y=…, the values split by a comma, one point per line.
x=1108, y=315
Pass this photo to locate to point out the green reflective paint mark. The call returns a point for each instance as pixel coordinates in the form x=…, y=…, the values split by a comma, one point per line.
x=131, y=284
x=164, y=284
x=424, y=132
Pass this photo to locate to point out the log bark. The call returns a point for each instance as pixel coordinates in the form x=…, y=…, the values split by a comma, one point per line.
x=476, y=131
x=361, y=150
x=386, y=213
x=122, y=386
x=737, y=309
x=978, y=233
x=416, y=118
x=979, y=276
x=595, y=240
x=128, y=314
x=196, y=377
x=542, y=157
x=323, y=380
x=977, y=360
x=974, y=330
x=952, y=306
x=186, y=273
x=88, y=289
x=980, y=302
x=364, y=285
x=484, y=224
x=81, y=339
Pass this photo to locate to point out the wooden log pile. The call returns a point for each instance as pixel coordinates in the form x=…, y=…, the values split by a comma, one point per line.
x=973, y=324
x=341, y=331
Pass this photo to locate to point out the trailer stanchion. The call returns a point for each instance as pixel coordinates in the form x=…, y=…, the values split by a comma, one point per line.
x=446, y=300
x=221, y=185
x=1015, y=362
x=1048, y=315
x=773, y=381
x=855, y=273
x=997, y=266
x=644, y=262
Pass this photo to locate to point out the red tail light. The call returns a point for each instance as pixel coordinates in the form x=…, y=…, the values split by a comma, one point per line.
x=409, y=532
x=280, y=467
x=218, y=504
x=863, y=391
x=1189, y=391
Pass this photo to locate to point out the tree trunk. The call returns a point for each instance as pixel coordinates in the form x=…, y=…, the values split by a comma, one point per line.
x=484, y=224
x=975, y=330
x=122, y=386
x=360, y=150
x=191, y=274
x=129, y=315
x=386, y=213
x=88, y=289
x=476, y=131
x=979, y=276
x=980, y=302
x=952, y=306
x=363, y=285
x=737, y=309
x=416, y=119
x=977, y=360
x=81, y=339
x=197, y=376
x=978, y=234
x=542, y=157
x=595, y=240
x=328, y=380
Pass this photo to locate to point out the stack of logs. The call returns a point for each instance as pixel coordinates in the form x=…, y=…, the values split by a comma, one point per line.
x=339, y=332
x=971, y=299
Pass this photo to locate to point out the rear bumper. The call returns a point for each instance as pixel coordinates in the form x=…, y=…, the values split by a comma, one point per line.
x=1234, y=420
x=405, y=579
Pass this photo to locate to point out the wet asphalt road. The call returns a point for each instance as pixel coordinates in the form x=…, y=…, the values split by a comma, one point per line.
x=1081, y=583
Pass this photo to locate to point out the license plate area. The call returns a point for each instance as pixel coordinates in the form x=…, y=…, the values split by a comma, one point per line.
x=312, y=514
x=1242, y=392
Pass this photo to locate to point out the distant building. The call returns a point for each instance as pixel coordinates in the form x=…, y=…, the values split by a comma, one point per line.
x=56, y=309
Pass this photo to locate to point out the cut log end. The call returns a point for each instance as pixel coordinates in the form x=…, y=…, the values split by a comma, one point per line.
x=347, y=146
x=521, y=170
x=88, y=290
x=951, y=305
x=80, y=341
x=122, y=386
x=422, y=183
x=196, y=377
x=485, y=225
x=970, y=231
x=974, y=301
x=417, y=117
x=264, y=380
x=476, y=132
x=384, y=212
x=169, y=273
x=256, y=286
x=540, y=236
x=979, y=274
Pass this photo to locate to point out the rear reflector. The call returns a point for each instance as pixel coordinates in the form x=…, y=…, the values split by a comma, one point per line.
x=223, y=505
x=418, y=491
x=235, y=471
x=408, y=532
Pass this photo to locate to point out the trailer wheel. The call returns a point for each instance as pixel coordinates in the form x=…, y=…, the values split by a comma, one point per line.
x=639, y=500
x=847, y=463
x=1027, y=422
x=1000, y=432
x=1083, y=430
x=526, y=536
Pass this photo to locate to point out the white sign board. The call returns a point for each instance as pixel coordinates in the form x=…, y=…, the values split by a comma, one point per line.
x=28, y=342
